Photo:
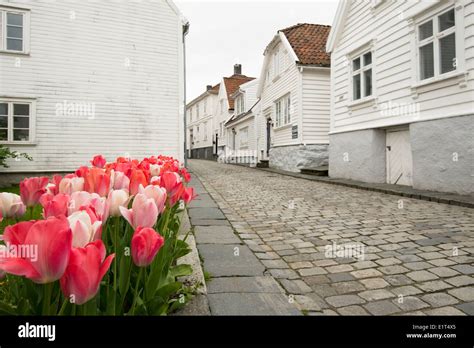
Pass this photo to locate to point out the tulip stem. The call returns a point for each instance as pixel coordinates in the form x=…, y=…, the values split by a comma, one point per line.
x=63, y=307
x=48, y=289
x=132, y=310
x=116, y=228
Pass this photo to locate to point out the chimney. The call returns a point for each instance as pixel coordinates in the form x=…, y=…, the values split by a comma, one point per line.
x=208, y=87
x=237, y=69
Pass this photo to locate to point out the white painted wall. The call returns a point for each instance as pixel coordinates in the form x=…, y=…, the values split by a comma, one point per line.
x=315, y=105
x=275, y=87
x=138, y=106
x=205, y=121
x=222, y=115
x=392, y=26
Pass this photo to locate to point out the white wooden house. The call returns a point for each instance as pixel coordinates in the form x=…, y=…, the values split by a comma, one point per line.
x=83, y=78
x=200, y=124
x=402, y=89
x=295, y=101
x=241, y=128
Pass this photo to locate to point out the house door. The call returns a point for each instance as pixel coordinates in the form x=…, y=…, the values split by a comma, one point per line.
x=269, y=132
x=399, y=158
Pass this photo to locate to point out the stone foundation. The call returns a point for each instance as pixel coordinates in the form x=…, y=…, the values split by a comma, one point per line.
x=296, y=157
x=203, y=153
x=442, y=151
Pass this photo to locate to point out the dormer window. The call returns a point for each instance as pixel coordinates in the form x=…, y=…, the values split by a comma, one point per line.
x=240, y=105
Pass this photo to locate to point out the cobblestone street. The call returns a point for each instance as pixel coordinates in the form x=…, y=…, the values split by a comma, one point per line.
x=408, y=256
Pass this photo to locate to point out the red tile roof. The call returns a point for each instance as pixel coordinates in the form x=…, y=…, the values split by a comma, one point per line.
x=309, y=43
x=232, y=83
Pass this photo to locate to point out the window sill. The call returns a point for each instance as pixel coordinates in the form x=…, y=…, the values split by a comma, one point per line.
x=283, y=127
x=366, y=100
x=440, y=78
x=15, y=53
x=19, y=143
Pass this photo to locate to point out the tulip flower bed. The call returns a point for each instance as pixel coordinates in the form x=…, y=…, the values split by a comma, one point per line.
x=101, y=241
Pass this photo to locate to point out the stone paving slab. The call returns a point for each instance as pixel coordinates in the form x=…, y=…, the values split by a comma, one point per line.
x=220, y=260
x=215, y=235
x=203, y=200
x=251, y=304
x=209, y=222
x=264, y=284
x=206, y=213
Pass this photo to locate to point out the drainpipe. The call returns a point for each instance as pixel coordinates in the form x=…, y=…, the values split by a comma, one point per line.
x=185, y=32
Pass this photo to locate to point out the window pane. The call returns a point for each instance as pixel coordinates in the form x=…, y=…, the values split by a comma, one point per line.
x=14, y=19
x=356, y=86
x=356, y=64
x=367, y=82
x=426, y=61
x=446, y=20
x=21, y=135
x=368, y=58
x=14, y=45
x=3, y=122
x=21, y=109
x=15, y=32
x=426, y=30
x=447, y=46
x=3, y=109
x=3, y=134
x=21, y=122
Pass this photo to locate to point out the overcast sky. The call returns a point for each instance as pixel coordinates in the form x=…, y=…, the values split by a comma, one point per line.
x=227, y=32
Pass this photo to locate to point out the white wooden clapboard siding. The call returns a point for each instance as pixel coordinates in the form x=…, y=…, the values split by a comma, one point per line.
x=393, y=68
x=124, y=57
x=316, y=105
x=287, y=82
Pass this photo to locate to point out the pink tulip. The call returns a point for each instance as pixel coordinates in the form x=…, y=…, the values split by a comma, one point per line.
x=188, y=195
x=144, y=212
x=87, y=266
x=155, y=169
x=137, y=178
x=120, y=181
x=31, y=189
x=97, y=181
x=52, y=240
x=85, y=227
x=68, y=185
x=145, y=245
x=172, y=182
x=158, y=194
x=83, y=199
x=99, y=161
x=116, y=199
x=53, y=187
x=54, y=205
x=11, y=205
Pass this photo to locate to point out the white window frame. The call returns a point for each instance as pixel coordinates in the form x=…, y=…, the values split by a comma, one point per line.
x=276, y=64
x=205, y=131
x=205, y=107
x=362, y=69
x=282, y=111
x=457, y=30
x=3, y=29
x=32, y=120
x=197, y=111
x=190, y=114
